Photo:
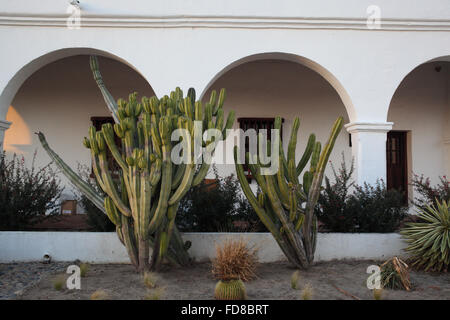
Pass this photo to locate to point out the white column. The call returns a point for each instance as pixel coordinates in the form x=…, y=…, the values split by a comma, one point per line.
x=3, y=126
x=369, y=150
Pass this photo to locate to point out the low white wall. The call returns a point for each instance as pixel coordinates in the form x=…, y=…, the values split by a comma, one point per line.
x=104, y=247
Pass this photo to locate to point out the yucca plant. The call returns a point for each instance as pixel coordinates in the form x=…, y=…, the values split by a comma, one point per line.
x=429, y=238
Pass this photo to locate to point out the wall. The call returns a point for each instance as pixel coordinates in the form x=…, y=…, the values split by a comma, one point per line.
x=98, y=247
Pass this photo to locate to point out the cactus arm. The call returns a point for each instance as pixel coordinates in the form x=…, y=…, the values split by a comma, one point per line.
x=293, y=140
x=189, y=172
x=129, y=240
x=314, y=191
x=185, y=184
x=228, y=124
x=179, y=174
x=306, y=154
x=108, y=134
x=110, y=188
x=201, y=174
x=112, y=213
x=109, y=100
x=266, y=220
x=83, y=186
x=284, y=189
x=144, y=206
x=256, y=173
x=288, y=228
x=166, y=186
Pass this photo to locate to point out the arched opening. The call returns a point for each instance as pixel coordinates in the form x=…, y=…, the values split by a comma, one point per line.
x=62, y=100
x=264, y=86
x=419, y=142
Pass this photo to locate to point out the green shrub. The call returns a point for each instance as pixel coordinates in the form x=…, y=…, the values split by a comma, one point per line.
x=332, y=208
x=376, y=209
x=27, y=195
x=217, y=205
x=368, y=209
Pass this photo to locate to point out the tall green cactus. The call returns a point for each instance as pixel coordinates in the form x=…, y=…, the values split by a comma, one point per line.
x=285, y=203
x=142, y=202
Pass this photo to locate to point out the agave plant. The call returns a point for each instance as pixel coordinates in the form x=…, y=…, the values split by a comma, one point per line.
x=429, y=239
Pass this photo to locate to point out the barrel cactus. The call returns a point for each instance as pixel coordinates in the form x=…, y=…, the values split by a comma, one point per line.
x=230, y=290
x=143, y=200
x=285, y=204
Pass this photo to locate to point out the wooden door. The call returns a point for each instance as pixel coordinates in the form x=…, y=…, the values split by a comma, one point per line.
x=396, y=162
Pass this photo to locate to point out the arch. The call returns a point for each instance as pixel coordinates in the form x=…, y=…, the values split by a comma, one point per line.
x=419, y=107
x=14, y=84
x=411, y=69
x=328, y=76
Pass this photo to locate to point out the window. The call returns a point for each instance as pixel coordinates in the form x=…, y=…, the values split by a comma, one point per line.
x=97, y=122
x=257, y=124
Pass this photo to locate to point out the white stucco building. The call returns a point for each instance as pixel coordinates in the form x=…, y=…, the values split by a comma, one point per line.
x=383, y=65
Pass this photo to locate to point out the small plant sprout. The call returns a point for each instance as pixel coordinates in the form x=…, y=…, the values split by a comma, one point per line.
x=58, y=282
x=155, y=294
x=307, y=292
x=84, y=268
x=378, y=294
x=151, y=280
x=99, y=295
x=295, y=279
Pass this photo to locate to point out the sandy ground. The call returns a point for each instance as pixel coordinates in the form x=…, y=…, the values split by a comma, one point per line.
x=273, y=282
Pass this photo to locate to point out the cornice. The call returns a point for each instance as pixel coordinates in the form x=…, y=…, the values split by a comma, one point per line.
x=241, y=22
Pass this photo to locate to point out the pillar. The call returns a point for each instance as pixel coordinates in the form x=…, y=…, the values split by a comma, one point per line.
x=369, y=150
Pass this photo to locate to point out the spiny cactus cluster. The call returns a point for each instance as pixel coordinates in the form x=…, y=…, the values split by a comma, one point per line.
x=230, y=290
x=142, y=202
x=286, y=202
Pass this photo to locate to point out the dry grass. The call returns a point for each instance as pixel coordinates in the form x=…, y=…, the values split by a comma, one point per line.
x=234, y=260
x=58, y=282
x=307, y=292
x=295, y=278
x=395, y=274
x=378, y=294
x=150, y=279
x=100, y=295
x=155, y=294
x=84, y=268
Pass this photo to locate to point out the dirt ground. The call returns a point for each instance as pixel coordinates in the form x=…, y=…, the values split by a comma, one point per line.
x=120, y=281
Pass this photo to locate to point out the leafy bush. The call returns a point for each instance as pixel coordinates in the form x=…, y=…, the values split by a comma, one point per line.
x=332, y=208
x=367, y=209
x=429, y=238
x=428, y=194
x=376, y=209
x=96, y=219
x=26, y=195
x=217, y=205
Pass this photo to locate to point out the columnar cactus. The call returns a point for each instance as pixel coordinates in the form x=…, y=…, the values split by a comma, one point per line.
x=285, y=204
x=143, y=201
